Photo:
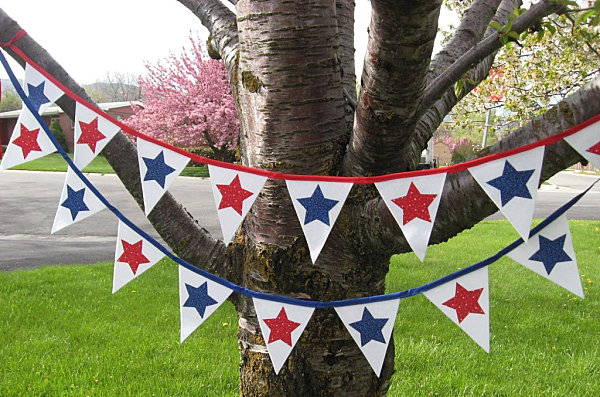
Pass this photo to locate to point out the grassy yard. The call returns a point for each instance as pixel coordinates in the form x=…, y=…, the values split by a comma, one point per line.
x=55, y=162
x=63, y=333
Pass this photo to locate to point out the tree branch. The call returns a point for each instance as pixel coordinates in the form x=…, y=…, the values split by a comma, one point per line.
x=433, y=117
x=463, y=203
x=175, y=225
x=469, y=32
x=401, y=38
x=222, y=26
x=490, y=44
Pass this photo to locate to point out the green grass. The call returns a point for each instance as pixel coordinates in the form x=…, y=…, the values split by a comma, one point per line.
x=63, y=333
x=55, y=162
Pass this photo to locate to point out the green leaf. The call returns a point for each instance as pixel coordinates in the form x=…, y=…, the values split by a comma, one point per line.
x=458, y=87
x=496, y=26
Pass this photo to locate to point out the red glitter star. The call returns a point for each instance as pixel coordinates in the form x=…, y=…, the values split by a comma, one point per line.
x=595, y=149
x=90, y=134
x=414, y=204
x=281, y=328
x=28, y=141
x=233, y=195
x=132, y=255
x=465, y=302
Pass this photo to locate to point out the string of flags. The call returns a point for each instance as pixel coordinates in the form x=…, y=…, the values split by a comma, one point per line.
x=510, y=179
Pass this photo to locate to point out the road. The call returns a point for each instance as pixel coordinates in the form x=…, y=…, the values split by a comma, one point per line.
x=28, y=202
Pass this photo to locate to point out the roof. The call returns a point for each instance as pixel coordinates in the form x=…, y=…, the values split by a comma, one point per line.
x=55, y=110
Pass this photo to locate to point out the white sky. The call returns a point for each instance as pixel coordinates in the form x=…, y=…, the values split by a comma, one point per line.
x=91, y=38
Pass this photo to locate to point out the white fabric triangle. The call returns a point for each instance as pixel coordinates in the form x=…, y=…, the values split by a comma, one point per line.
x=92, y=133
x=133, y=256
x=77, y=202
x=466, y=301
x=371, y=325
x=317, y=205
x=199, y=297
x=550, y=254
x=28, y=142
x=164, y=167
x=512, y=183
x=234, y=193
x=587, y=143
x=40, y=91
x=282, y=325
x=414, y=203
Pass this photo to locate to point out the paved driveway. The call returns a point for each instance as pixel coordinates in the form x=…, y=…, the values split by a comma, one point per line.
x=28, y=202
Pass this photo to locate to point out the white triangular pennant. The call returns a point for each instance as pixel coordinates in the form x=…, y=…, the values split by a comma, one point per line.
x=371, y=325
x=234, y=193
x=414, y=203
x=40, y=91
x=28, y=142
x=159, y=167
x=282, y=325
x=587, y=143
x=512, y=183
x=92, y=133
x=466, y=301
x=317, y=205
x=199, y=297
x=550, y=254
x=133, y=256
x=77, y=202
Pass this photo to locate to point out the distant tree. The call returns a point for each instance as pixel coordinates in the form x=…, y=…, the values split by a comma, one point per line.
x=10, y=101
x=539, y=67
x=188, y=103
x=115, y=87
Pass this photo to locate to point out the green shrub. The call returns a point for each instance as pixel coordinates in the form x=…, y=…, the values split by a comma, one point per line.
x=57, y=131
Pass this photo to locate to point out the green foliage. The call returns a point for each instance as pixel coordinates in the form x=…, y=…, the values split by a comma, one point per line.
x=539, y=67
x=10, y=101
x=57, y=131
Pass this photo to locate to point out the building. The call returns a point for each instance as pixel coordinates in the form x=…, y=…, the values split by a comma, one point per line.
x=8, y=120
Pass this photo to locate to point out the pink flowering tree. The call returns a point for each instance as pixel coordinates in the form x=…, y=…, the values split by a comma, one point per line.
x=188, y=103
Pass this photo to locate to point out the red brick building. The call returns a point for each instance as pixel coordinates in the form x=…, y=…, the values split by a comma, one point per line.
x=118, y=110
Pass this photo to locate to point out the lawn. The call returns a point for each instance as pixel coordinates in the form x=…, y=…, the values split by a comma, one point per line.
x=99, y=165
x=65, y=334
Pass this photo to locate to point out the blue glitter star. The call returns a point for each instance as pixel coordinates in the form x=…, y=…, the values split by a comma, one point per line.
x=317, y=207
x=36, y=95
x=551, y=252
x=157, y=169
x=199, y=298
x=74, y=202
x=512, y=183
x=370, y=328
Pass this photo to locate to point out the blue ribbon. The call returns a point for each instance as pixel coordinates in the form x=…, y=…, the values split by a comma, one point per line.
x=260, y=295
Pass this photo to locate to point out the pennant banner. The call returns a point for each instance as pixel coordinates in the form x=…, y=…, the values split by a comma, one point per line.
x=77, y=202
x=414, y=203
x=317, y=205
x=234, y=193
x=159, y=167
x=133, y=256
x=27, y=142
x=199, y=297
x=371, y=326
x=40, y=91
x=587, y=143
x=550, y=254
x=512, y=184
x=466, y=301
x=282, y=325
x=92, y=134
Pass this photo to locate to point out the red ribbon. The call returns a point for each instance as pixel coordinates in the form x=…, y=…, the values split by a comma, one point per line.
x=18, y=36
